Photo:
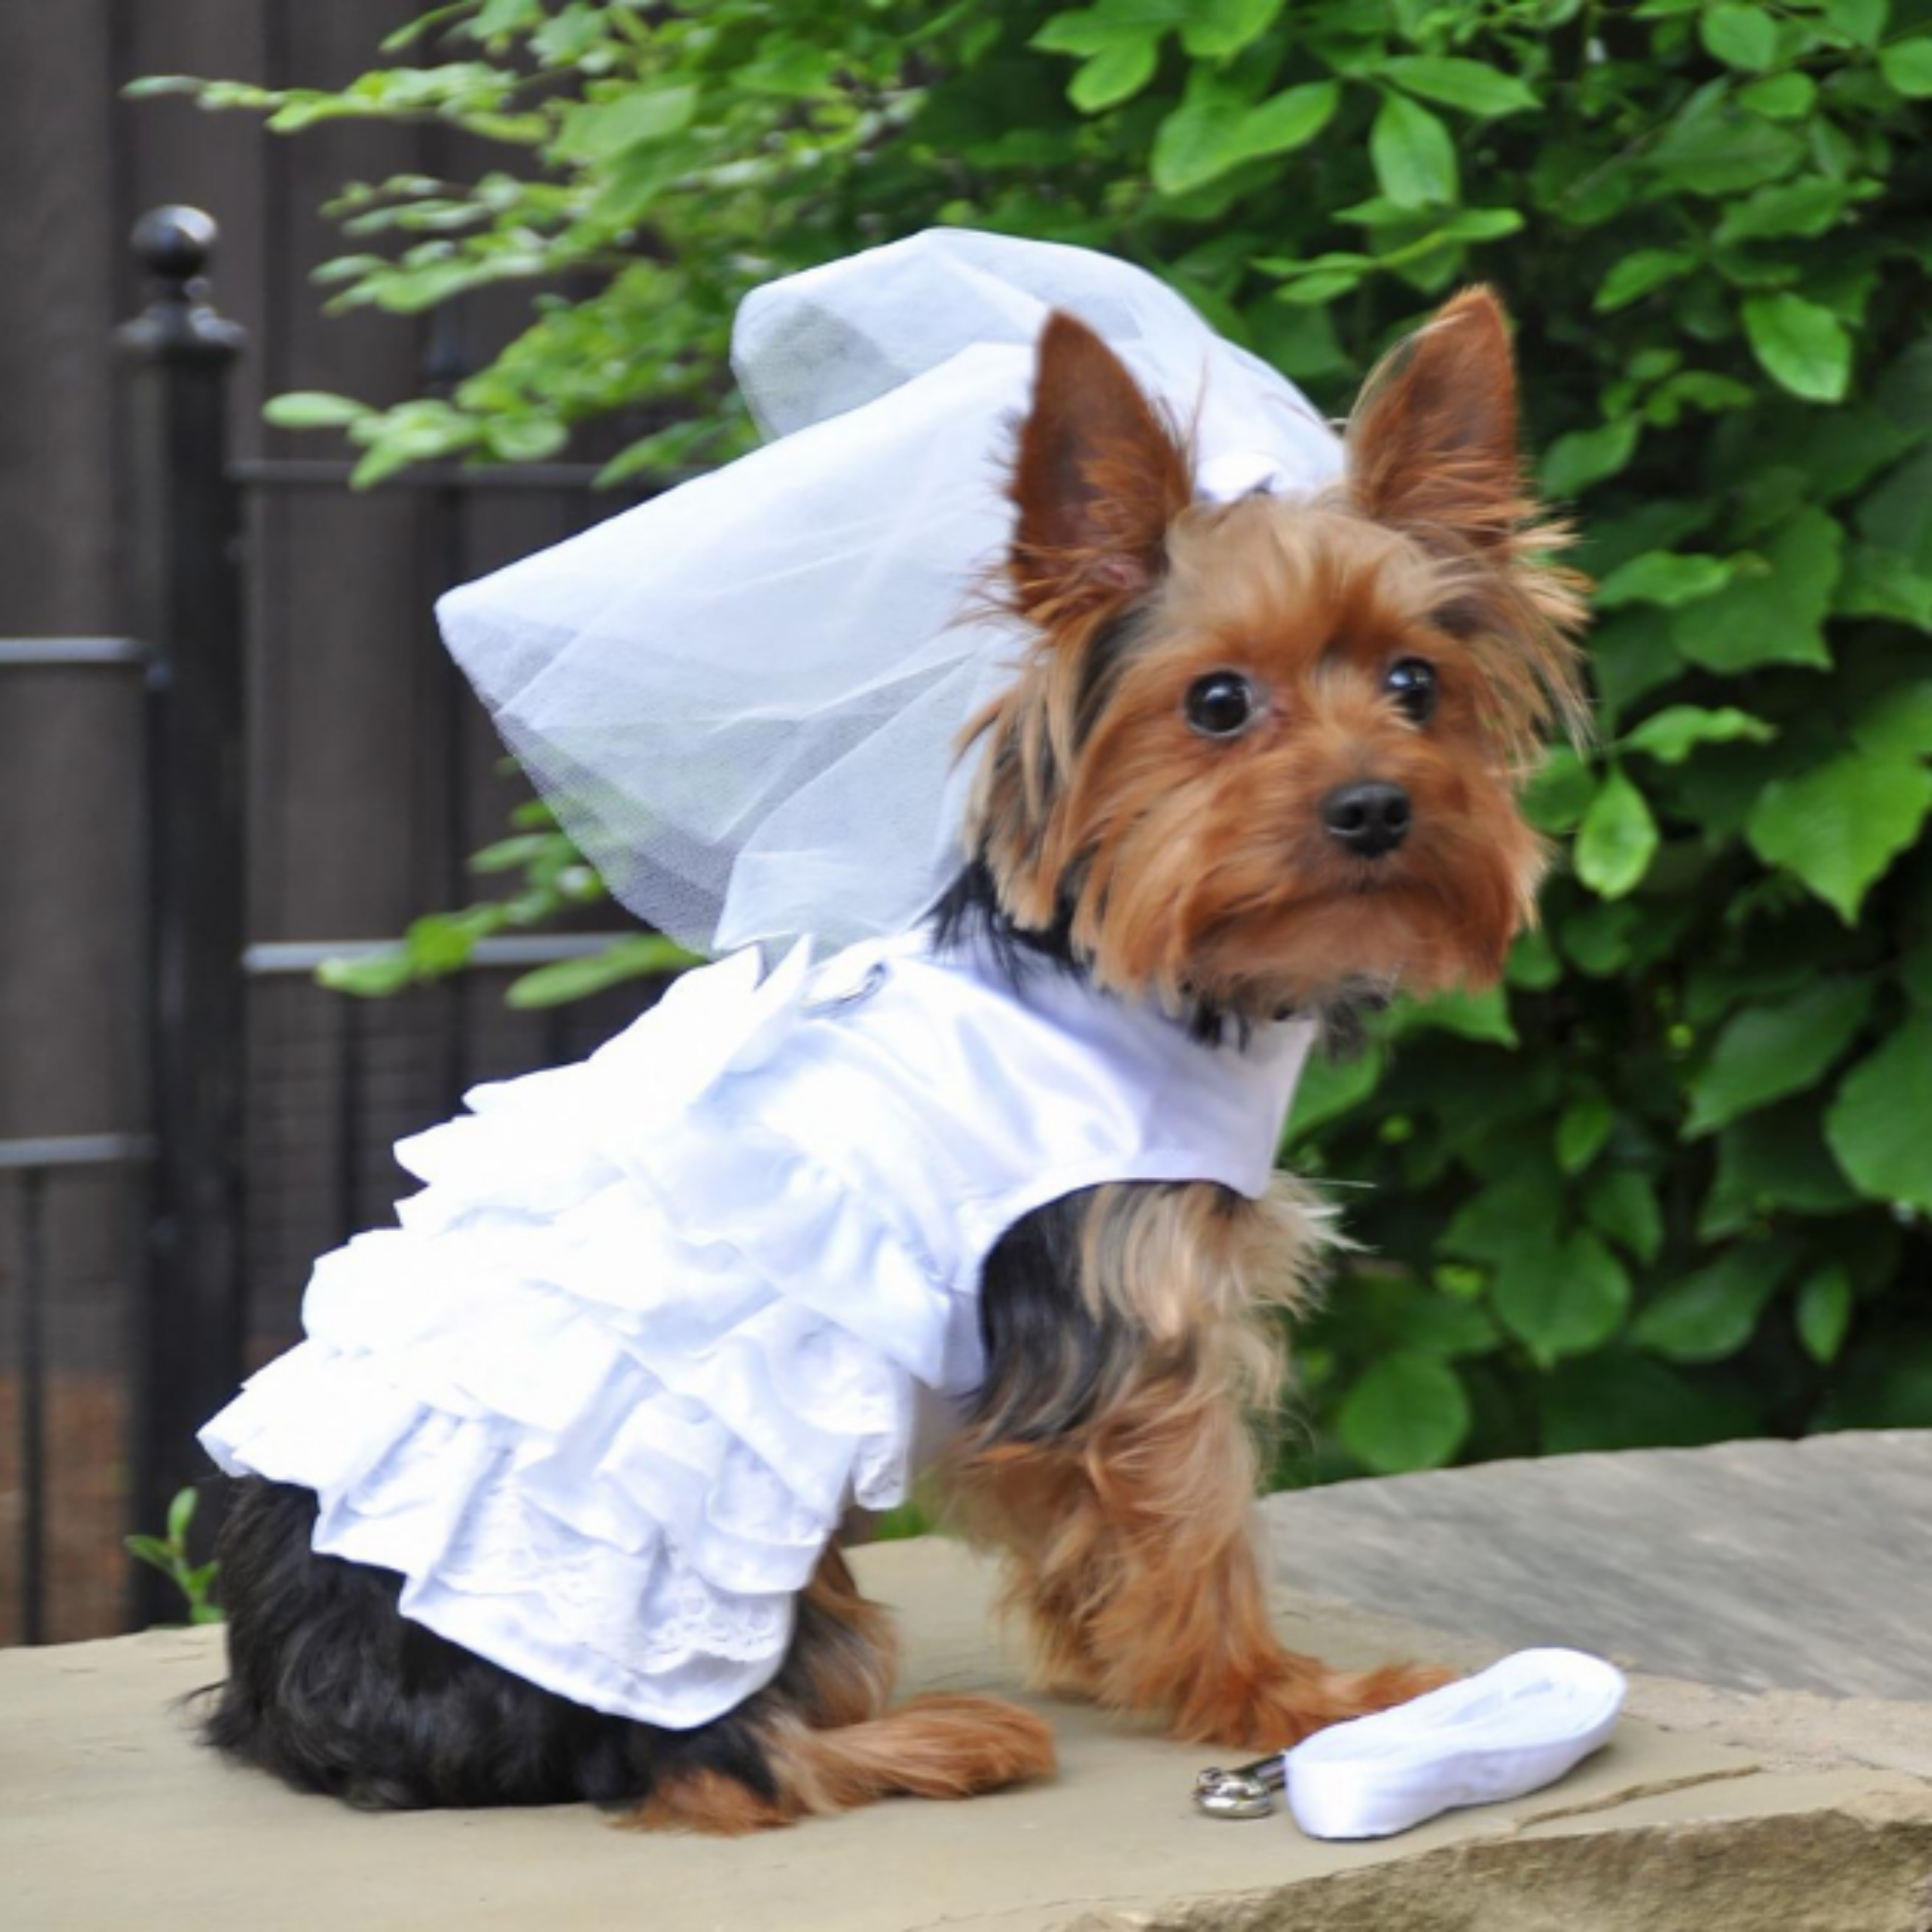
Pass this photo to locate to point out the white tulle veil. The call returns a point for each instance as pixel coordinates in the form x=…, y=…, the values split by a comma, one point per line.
x=743, y=698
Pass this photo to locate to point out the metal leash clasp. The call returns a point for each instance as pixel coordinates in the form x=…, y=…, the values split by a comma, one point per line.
x=1246, y=1792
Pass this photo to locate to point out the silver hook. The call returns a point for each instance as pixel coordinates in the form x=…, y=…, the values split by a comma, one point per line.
x=1247, y=1791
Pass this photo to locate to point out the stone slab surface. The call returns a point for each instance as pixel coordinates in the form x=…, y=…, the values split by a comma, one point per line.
x=110, y=1815
x=1800, y=1567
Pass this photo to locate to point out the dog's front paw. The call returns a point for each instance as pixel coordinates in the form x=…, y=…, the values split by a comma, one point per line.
x=1304, y=1697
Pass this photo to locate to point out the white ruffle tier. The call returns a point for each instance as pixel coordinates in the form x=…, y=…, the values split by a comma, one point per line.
x=601, y=1420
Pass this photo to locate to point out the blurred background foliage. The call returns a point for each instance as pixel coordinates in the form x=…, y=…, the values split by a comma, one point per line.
x=1673, y=1182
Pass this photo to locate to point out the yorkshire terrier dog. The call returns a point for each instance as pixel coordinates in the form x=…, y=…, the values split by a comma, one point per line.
x=1259, y=758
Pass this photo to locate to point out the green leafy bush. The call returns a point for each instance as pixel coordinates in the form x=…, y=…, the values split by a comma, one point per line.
x=1673, y=1182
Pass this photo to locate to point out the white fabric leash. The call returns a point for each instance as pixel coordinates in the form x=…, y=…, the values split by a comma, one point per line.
x=1508, y=1731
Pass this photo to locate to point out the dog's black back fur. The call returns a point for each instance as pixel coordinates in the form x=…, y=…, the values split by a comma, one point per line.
x=333, y=1690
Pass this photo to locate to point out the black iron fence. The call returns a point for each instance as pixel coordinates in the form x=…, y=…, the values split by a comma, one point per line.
x=271, y=1103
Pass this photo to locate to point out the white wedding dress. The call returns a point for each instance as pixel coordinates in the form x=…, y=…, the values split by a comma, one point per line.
x=657, y=1319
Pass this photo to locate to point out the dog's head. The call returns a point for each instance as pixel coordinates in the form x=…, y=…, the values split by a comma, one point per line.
x=1266, y=754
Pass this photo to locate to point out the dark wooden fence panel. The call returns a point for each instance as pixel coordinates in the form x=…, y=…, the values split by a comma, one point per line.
x=369, y=775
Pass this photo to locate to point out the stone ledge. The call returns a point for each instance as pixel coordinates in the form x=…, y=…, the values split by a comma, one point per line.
x=1751, y=1565
x=111, y=1811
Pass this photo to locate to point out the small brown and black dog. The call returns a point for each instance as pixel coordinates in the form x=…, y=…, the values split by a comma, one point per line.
x=1260, y=758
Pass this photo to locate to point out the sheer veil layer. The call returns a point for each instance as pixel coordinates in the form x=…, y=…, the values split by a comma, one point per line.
x=743, y=698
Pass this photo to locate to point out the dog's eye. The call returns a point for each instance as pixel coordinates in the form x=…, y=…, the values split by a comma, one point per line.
x=1220, y=705
x=1412, y=683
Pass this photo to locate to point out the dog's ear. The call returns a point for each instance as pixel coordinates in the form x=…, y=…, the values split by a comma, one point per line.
x=1097, y=479
x=1432, y=442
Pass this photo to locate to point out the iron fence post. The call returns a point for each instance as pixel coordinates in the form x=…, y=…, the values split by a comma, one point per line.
x=186, y=602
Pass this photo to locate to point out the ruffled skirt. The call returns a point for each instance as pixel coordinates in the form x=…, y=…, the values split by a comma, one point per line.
x=602, y=1397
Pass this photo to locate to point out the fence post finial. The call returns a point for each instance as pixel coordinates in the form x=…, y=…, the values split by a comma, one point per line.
x=174, y=245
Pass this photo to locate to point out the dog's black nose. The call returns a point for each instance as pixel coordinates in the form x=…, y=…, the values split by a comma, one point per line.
x=1371, y=819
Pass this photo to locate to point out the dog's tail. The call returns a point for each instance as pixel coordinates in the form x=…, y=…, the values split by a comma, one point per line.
x=934, y=1747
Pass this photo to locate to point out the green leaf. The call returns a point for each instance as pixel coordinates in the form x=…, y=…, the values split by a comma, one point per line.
x=789, y=68
x=1478, y=1016
x=527, y=439
x=1090, y=30
x=505, y=16
x=1770, y=1163
x=1117, y=73
x=1714, y=148
x=1898, y=725
x=1574, y=462
x=1824, y=1313
x=1807, y=206
x=309, y=409
x=1773, y=611
x=1559, y=794
x=1622, y=1203
x=441, y=943
x=1839, y=826
x=1213, y=30
x=1314, y=291
x=1766, y=1052
x=1408, y=1411
x=1862, y=21
x=1533, y=963
x=1880, y=1124
x=1897, y=515
x=512, y=855
x=1413, y=155
x=1202, y=139
x=1617, y=839
x=1740, y=36
x=1582, y=1128
x=371, y=975
x=1782, y=96
x=1435, y=1324
x=1671, y=735
x=595, y=131
x=1881, y=584
x=1598, y=938
x=1907, y=66
x=1564, y=1301
x=1664, y=577
x=566, y=979
x=153, y=86
x=1635, y=275
x=1510, y=1217
x=180, y=1515
x=1634, y=656
x=1713, y=1314
x=1801, y=346
x=1329, y=1088
x=1470, y=85
x=1288, y=120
